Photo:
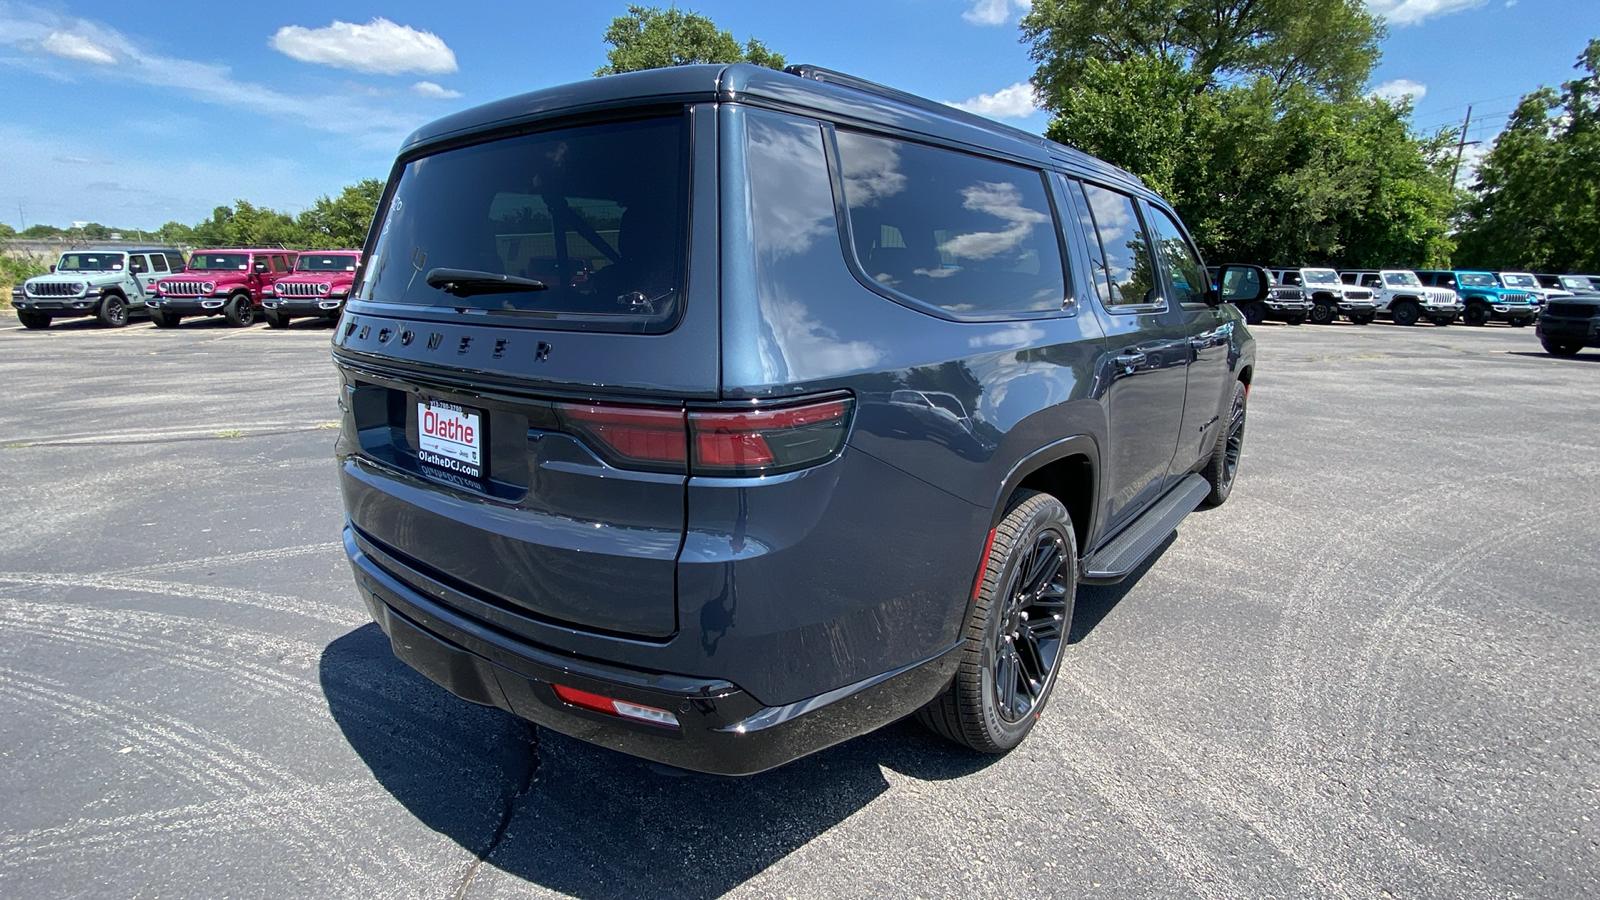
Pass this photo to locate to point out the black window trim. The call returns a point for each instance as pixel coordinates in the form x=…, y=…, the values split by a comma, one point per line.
x=1127, y=309
x=841, y=211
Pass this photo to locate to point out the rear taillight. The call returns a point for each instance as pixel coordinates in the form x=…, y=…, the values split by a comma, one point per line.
x=750, y=441
x=766, y=441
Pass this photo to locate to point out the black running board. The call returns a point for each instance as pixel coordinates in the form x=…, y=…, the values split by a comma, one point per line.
x=1126, y=551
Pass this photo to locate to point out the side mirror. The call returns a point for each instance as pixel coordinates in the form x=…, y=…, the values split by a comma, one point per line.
x=261, y=267
x=1238, y=283
x=52, y=268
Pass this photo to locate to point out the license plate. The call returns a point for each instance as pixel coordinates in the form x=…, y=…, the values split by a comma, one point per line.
x=450, y=439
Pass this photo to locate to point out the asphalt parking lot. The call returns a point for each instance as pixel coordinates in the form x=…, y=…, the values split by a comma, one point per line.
x=1372, y=673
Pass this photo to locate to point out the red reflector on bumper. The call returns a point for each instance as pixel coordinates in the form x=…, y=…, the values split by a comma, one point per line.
x=620, y=708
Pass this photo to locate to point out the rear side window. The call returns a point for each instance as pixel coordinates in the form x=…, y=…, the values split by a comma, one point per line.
x=158, y=262
x=597, y=214
x=1184, y=271
x=969, y=235
x=1125, y=249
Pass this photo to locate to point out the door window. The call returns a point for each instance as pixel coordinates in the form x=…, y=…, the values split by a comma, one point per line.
x=136, y=264
x=970, y=235
x=1124, y=249
x=158, y=262
x=1184, y=272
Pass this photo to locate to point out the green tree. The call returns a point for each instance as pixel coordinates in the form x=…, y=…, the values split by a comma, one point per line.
x=342, y=222
x=7, y=231
x=1255, y=132
x=654, y=38
x=246, y=225
x=1536, y=199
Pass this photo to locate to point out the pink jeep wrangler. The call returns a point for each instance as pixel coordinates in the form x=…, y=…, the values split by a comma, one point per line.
x=227, y=283
x=319, y=286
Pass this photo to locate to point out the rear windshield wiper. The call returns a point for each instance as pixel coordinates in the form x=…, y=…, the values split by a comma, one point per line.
x=466, y=282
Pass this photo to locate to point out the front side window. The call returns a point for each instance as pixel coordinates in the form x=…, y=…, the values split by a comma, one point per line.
x=1320, y=276
x=158, y=262
x=1124, y=246
x=970, y=235
x=1477, y=279
x=1184, y=271
x=136, y=264
x=1402, y=279
x=595, y=214
x=310, y=262
x=1519, y=281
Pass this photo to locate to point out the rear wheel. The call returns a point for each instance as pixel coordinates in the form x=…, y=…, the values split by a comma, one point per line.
x=1476, y=314
x=239, y=312
x=1562, y=348
x=113, y=312
x=1406, y=314
x=1224, y=463
x=1017, y=631
x=31, y=319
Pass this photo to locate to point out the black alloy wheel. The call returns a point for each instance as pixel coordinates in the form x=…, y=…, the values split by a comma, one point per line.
x=1406, y=313
x=113, y=312
x=1295, y=320
x=1476, y=314
x=1562, y=348
x=162, y=318
x=276, y=319
x=239, y=312
x=1255, y=312
x=1223, y=466
x=1443, y=320
x=1323, y=313
x=1520, y=323
x=1017, y=631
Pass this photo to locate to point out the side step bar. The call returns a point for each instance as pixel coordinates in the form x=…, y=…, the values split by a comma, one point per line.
x=1127, y=550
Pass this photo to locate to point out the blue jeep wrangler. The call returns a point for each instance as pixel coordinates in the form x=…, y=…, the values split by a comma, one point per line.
x=1485, y=299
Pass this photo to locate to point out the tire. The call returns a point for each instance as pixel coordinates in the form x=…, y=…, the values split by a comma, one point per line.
x=1324, y=314
x=277, y=319
x=33, y=320
x=1254, y=312
x=1561, y=348
x=1476, y=314
x=113, y=311
x=1363, y=320
x=1295, y=320
x=1519, y=323
x=1406, y=313
x=240, y=312
x=1017, y=632
x=163, y=319
x=1223, y=466
x=1443, y=320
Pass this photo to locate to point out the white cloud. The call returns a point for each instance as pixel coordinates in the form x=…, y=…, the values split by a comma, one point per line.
x=1394, y=91
x=434, y=91
x=1413, y=12
x=380, y=46
x=994, y=12
x=1014, y=102
x=28, y=29
x=75, y=46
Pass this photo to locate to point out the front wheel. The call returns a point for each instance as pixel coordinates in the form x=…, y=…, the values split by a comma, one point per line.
x=1520, y=323
x=240, y=312
x=1476, y=314
x=1254, y=312
x=1017, y=631
x=163, y=319
x=1295, y=320
x=1363, y=320
x=1324, y=313
x=1562, y=348
x=113, y=312
x=276, y=319
x=31, y=319
x=1223, y=466
x=1443, y=320
x=1407, y=314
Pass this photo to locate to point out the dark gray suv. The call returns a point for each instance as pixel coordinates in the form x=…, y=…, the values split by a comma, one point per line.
x=717, y=415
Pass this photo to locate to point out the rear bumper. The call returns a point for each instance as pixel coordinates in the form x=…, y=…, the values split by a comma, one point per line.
x=722, y=729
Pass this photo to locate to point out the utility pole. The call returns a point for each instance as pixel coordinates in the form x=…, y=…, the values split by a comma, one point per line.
x=1461, y=145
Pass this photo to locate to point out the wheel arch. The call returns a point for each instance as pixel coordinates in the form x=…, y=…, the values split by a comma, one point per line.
x=1067, y=469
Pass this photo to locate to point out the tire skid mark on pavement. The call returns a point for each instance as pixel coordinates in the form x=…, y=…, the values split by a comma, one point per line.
x=392, y=701
x=231, y=559
x=312, y=609
x=1122, y=791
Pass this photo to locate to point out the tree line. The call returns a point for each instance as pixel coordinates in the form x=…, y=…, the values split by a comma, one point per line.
x=1249, y=116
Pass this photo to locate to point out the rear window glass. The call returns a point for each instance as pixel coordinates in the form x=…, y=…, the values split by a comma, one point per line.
x=596, y=214
x=971, y=235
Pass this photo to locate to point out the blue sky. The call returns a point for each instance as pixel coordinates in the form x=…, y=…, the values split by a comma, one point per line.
x=137, y=114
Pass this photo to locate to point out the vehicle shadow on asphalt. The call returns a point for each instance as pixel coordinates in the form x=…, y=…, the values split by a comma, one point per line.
x=592, y=822
x=1096, y=601
x=1540, y=354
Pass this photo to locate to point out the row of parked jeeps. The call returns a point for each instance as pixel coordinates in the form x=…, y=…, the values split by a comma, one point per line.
x=114, y=284
x=1322, y=295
